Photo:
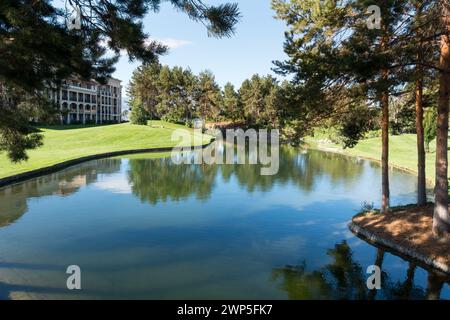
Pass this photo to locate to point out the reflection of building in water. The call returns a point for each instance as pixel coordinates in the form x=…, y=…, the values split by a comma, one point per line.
x=13, y=199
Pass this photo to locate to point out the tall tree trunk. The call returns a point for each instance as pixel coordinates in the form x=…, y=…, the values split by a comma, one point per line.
x=441, y=218
x=421, y=178
x=384, y=99
x=385, y=150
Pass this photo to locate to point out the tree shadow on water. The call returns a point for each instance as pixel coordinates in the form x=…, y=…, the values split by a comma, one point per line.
x=345, y=279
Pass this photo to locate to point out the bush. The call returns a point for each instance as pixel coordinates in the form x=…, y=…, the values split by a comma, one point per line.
x=372, y=134
x=139, y=115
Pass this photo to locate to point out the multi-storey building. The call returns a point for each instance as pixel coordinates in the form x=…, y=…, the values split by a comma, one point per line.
x=89, y=101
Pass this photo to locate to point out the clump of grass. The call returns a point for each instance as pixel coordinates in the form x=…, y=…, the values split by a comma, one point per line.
x=367, y=208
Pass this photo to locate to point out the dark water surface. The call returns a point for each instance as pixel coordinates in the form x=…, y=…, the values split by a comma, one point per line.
x=143, y=227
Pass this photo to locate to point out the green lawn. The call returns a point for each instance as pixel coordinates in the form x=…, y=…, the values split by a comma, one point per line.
x=402, y=149
x=63, y=143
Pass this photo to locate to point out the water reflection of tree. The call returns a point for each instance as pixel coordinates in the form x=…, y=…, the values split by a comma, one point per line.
x=13, y=199
x=161, y=180
x=344, y=278
x=155, y=180
x=302, y=169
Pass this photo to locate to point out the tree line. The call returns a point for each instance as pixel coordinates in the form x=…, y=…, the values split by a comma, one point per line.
x=178, y=95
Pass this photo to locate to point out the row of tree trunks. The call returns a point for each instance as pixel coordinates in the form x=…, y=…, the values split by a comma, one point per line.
x=441, y=219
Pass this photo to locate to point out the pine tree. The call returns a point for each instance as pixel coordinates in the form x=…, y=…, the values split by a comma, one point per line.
x=231, y=103
x=260, y=100
x=338, y=61
x=37, y=50
x=144, y=89
x=139, y=114
x=209, y=97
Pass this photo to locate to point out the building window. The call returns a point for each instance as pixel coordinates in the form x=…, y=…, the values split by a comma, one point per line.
x=73, y=96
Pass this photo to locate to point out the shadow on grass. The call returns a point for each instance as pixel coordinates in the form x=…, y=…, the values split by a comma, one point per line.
x=74, y=126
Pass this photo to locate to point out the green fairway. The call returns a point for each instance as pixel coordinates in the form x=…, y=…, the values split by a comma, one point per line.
x=402, y=149
x=62, y=143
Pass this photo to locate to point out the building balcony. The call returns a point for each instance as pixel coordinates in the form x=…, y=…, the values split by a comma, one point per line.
x=71, y=86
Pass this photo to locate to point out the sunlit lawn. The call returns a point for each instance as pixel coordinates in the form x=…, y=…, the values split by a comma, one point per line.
x=402, y=152
x=63, y=143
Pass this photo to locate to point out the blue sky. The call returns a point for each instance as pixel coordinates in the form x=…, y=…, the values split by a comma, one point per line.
x=257, y=42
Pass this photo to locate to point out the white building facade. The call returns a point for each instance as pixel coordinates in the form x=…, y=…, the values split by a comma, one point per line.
x=85, y=102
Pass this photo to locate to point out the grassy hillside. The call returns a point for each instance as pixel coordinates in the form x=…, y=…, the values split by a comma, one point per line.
x=63, y=143
x=403, y=151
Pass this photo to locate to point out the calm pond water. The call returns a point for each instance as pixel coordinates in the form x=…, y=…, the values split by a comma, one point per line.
x=142, y=227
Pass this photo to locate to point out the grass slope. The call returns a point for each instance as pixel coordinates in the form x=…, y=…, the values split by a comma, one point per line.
x=62, y=143
x=402, y=152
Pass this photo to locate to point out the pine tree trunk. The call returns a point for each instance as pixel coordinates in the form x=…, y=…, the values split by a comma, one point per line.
x=384, y=99
x=421, y=164
x=441, y=218
x=385, y=153
x=421, y=179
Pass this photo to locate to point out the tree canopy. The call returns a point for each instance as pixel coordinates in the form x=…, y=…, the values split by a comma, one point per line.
x=38, y=50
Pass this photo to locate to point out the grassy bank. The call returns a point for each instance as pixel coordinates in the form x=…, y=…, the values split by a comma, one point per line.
x=62, y=143
x=402, y=149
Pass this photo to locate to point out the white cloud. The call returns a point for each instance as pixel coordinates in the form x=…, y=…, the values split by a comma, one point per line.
x=168, y=42
x=114, y=183
x=172, y=43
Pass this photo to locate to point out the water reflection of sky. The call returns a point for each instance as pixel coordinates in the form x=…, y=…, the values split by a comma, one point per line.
x=145, y=228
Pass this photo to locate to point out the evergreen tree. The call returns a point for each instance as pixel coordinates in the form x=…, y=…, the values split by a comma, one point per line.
x=175, y=101
x=144, y=89
x=338, y=62
x=138, y=113
x=260, y=99
x=231, y=103
x=209, y=97
x=37, y=49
